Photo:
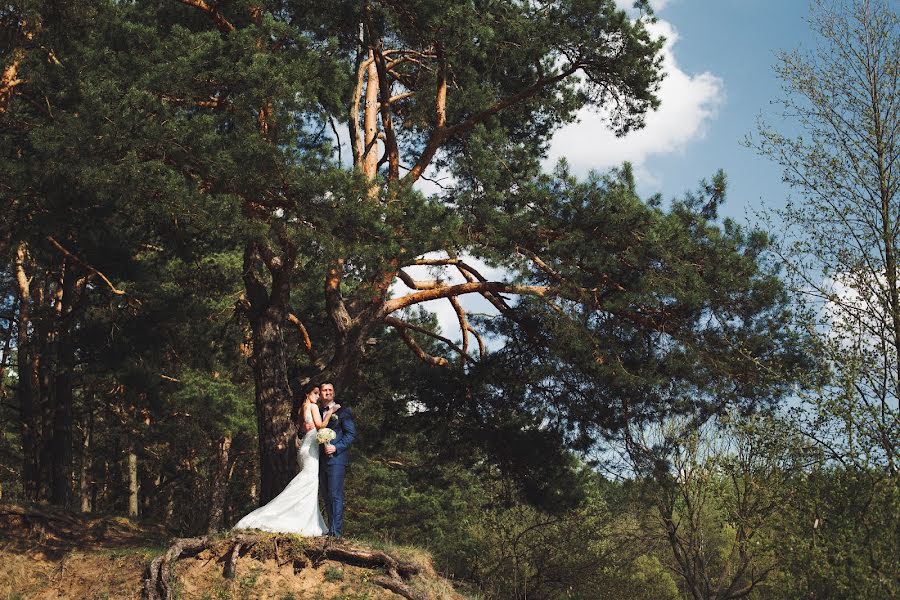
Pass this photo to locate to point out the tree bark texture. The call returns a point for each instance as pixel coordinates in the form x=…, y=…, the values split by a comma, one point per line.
x=274, y=397
x=132, y=484
x=219, y=485
x=28, y=379
x=61, y=443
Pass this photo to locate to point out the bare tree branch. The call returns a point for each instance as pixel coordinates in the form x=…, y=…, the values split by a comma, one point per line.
x=415, y=284
x=68, y=254
x=400, y=324
x=436, y=361
x=480, y=340
x=463, y=288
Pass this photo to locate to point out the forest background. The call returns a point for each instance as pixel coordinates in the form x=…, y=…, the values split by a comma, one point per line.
x=659, y=404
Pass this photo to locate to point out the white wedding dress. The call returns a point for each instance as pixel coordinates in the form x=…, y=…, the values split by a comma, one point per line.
x=296, y=508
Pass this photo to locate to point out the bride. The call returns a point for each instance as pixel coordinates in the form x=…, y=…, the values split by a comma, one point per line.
x=296, y=508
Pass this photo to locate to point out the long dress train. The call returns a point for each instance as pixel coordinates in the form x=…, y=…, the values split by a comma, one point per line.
x=296, y=508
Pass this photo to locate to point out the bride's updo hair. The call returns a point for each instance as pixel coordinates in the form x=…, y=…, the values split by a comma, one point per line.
x=298, y=405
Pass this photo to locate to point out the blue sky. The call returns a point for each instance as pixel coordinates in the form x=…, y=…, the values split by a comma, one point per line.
x=719, y=57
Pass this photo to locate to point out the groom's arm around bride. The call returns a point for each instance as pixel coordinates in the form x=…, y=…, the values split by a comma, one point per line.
x=345, y=432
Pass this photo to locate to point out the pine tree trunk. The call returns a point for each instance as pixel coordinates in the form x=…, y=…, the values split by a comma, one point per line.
x=132, y=485
x=63, y=419
x=84, y=479
x=273, y=398
x=60, y=445
x=274, y=402
x=60, y=454
x=219, y=486
x=27, y=385
x=45, y=356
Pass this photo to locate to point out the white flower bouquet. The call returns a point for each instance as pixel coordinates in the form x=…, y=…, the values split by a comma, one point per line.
x=325, y=435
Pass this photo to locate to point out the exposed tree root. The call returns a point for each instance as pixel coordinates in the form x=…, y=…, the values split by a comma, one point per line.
x=160, y=573
x=398, y=587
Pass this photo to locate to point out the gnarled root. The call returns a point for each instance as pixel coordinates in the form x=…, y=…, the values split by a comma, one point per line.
x=160, y=572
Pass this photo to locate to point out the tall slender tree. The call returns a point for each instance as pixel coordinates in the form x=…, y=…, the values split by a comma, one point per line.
x=840, y=245
x=840, y=237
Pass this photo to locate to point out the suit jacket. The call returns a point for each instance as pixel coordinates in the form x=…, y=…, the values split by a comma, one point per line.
x=345, y=430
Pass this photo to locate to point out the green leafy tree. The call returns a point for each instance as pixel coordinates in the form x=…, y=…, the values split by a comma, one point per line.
x=840, y=234
x=840, y=246
x=719, y=496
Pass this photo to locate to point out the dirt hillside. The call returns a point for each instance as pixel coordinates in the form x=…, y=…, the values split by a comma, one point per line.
x=53, y=554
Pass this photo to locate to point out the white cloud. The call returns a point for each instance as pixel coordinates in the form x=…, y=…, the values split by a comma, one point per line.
x=688, y=103
x=855, y=309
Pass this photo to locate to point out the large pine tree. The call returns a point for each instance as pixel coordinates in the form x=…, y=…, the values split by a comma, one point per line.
x=146, y=142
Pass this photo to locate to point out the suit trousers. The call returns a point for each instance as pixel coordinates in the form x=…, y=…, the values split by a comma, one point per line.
x=331, y=487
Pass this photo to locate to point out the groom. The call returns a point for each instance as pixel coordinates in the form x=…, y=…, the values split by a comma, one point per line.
x=333, y=461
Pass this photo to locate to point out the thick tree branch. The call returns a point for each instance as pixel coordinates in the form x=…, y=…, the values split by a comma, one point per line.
x=449, y=261
x=438, y=134
x=307, y=342
x=392, y=151
x=525, y=94
x=435, y=361
x=397, y=98
x=221, y=22
x=441, y=132
x=463, y=288
x=356, y=134
x=10, y=79
x=400, y=324
x=463, y=327
x=333, y=298
x=497, y=301
x=541, y=264
x=370, y=124
x=479, y=339
x=415, y=284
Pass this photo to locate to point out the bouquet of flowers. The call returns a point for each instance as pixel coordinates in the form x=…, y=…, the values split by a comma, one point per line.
x=325, y=435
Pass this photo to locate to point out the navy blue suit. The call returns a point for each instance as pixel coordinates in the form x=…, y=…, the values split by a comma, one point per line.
x=333, y=467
